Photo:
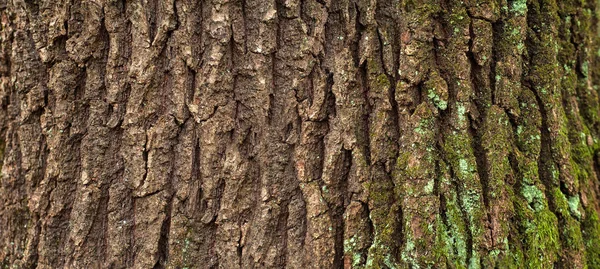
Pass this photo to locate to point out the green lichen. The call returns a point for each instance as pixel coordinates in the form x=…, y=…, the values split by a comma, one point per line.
x=519, y=7
x=461, y=111
x=464, y=166
x=437, y=100
x=574, y=206
x=429, y=187
x=534, y=196
x=351, y=248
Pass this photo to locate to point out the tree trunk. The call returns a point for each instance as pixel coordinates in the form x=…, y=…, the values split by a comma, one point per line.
x=300, y=134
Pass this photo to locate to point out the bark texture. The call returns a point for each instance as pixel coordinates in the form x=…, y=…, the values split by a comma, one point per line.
x=300, y=134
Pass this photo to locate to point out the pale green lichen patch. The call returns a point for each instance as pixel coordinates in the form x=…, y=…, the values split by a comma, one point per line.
x=519, y=7
x=429, y=187
x=574, y=206
x=351, y=249
x=461, y=111
x=437, y=100
x=464, y=166
x=534, y=196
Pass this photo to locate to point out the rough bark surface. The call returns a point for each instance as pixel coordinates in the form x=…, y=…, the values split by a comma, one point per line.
x=299, y=134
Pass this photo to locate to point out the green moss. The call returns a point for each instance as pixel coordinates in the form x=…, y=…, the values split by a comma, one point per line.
x=544, y=236
x=416, y=174
x=383, y=81
x=382, y=215
x=571, y=236
x=591, y=234
x=539, y=230
x=379, y=256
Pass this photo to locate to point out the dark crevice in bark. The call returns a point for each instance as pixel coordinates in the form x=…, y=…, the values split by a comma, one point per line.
x=198, y=205
x=482, y=169
x=270, y=109
x=497, y=35
x=339, y=208
x=240, y=249
x=44, y=153
x=392, y=93
x=163, y=242
x=387, y=20
x=192, y=84
x=102, y=221
x=330, y=99
x=152, y=15
x=370, y=230
x=282, y=228
x=596, y=167
x=364, y=137
x=145, y=152
x=310, y=88
x=476, y=129
x=354, y=41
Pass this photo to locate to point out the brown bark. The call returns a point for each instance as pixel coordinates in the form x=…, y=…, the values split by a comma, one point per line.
x=299, y=134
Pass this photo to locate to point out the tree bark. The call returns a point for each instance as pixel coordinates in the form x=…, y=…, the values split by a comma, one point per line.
x=299, y=134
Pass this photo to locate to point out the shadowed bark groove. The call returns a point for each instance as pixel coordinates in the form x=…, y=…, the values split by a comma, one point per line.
x=299, y=134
